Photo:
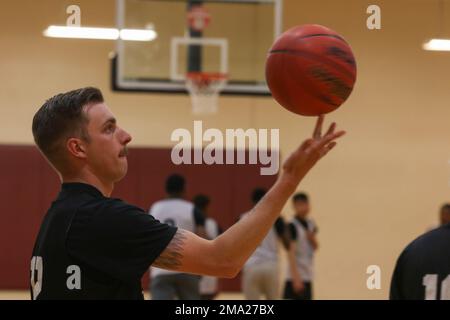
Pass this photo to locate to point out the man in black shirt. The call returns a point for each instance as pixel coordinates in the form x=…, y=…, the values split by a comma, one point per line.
x=422, y=271
x=91, y=246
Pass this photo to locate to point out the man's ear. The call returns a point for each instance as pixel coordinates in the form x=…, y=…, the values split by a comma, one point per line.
x=76, y=147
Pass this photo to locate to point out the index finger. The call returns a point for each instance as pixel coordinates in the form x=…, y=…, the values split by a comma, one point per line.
x=318, y=129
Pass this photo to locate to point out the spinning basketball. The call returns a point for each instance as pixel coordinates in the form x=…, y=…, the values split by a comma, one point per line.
x=310, y=70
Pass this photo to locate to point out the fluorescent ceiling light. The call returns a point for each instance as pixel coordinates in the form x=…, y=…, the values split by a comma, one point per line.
x=437, y=45
x=100, y=33
x=137, y=34
x=81, y=33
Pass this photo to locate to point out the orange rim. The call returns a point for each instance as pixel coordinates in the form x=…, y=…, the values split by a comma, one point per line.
x=206, y=76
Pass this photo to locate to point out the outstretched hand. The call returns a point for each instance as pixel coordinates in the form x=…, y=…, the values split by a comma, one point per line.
x=309, y=152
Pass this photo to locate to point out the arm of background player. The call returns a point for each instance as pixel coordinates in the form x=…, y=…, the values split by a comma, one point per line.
x=311, y=235
x=297, y=281
x=199, y=220
x=228, y=252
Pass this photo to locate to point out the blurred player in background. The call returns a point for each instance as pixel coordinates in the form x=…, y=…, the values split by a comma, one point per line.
x=303, y=234
x=176, y=212
x=209, y=286
x=444, y=216
x=260, y=273
x=422, y=271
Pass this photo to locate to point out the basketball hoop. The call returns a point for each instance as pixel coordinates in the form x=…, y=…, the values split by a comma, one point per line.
x=204, y=89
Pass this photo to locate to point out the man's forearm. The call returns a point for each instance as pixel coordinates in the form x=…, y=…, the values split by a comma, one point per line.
x=238, y=242
x=311, y=236
x=314, y=242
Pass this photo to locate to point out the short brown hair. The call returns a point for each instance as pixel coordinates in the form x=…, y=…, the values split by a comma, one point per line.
x=60, y=117
x=300, y=196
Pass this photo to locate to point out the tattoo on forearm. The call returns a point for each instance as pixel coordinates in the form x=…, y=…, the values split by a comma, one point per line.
x=171, y=257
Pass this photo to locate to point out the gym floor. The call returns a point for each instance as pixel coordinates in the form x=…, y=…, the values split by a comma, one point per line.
x=25, y=295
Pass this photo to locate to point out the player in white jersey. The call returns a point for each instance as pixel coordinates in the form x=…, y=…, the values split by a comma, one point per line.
x=260, y=273
x=209, y=286
x=177, y=212
x=302, y=231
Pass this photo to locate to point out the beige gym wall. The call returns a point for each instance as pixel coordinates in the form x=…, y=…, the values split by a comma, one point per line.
x=380, y=188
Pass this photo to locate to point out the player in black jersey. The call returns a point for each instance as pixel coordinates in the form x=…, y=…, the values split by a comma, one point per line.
x=423, y=269
x=91, y=246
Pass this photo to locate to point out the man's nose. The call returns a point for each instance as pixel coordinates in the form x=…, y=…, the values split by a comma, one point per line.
x=126, y=137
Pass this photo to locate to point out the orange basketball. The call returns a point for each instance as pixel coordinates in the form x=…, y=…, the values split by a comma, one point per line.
x=310, y=70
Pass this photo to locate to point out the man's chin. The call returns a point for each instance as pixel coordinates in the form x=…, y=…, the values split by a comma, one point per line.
x=122, y=173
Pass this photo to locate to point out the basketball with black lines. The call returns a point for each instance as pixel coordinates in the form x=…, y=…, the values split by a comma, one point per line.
x=310, y=70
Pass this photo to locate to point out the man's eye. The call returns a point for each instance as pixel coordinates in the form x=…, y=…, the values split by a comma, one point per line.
x=110, y=128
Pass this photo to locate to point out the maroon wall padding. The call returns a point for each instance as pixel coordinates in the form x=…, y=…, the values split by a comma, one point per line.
x=28, y=186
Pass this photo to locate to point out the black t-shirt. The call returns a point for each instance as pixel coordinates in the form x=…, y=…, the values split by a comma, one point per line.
x=93, y=247
x=423, y=269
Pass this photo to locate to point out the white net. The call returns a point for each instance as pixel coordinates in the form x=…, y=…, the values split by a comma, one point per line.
x=204, y=89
